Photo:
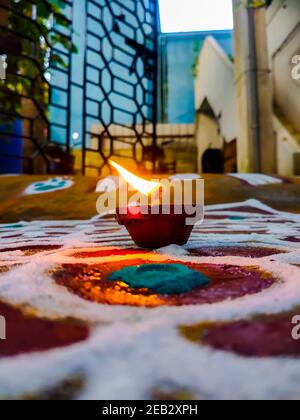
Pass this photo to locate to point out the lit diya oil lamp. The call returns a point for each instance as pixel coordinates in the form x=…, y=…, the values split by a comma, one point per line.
x=163, y=213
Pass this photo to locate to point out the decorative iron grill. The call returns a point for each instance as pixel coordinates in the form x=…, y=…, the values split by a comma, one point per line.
x=28, y=41
x=98, y=102
x=120, y=82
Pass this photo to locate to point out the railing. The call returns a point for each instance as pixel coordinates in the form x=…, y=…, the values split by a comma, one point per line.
x=110, y=80
x=120, y=78
x=33, y=57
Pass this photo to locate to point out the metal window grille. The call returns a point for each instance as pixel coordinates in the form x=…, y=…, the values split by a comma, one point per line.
x=100, y=101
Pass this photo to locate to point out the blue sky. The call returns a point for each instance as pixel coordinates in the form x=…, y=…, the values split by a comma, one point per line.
x=195, y=15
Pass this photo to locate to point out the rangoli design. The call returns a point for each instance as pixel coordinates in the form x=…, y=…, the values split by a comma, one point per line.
x=96, y=322
x=51, y=185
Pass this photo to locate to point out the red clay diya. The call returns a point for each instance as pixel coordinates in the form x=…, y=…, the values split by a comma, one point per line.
x=155, y=225
x=154, y=231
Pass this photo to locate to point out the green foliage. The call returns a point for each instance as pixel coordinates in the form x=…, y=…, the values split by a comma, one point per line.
x=255, y=4
x=28, y=45
x=196, y=49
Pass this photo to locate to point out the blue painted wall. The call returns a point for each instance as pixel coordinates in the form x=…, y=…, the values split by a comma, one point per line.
x=180, y=52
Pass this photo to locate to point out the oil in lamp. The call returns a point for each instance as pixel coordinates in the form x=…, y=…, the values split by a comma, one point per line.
x=155, y=225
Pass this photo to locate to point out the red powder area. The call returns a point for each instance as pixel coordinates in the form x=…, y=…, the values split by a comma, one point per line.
x=56, y=233
x=245, y=209
x=104, y=231
x=294, y=239
x=107, y=253
x=32, y=249
x=48, y=235
x=227, y=232
x=13, y=236
x=90, y=282
x=26, y=334
x=212, y=217
x=69, y=227
x=277, y=221
x=249, y=252
x=266, y=338
x=227, y=282
x=110, y=242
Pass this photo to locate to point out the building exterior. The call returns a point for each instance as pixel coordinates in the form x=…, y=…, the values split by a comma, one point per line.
x=283, y=22
x=177, y=57
x=217, y=102
x=176, y=94
x=112, y=71
x=179, y=54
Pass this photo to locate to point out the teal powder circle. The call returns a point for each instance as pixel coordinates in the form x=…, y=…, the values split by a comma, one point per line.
x=164, y=279
x=237, y=218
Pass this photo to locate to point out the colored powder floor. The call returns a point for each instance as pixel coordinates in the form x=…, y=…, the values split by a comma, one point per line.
x=164, y=279
x=214, y=283
x=269, y=336
x=27, y=334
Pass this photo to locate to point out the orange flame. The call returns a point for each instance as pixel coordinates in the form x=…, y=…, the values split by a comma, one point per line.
x=142, y=185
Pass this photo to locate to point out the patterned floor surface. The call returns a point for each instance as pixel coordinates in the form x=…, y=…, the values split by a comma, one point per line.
x=77, y=335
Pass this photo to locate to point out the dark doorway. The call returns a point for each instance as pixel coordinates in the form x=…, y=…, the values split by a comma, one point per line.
x=213, y=161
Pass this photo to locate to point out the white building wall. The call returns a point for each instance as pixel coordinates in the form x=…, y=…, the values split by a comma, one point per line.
x=215, y=82
x=207, y=135
x=284, y=44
